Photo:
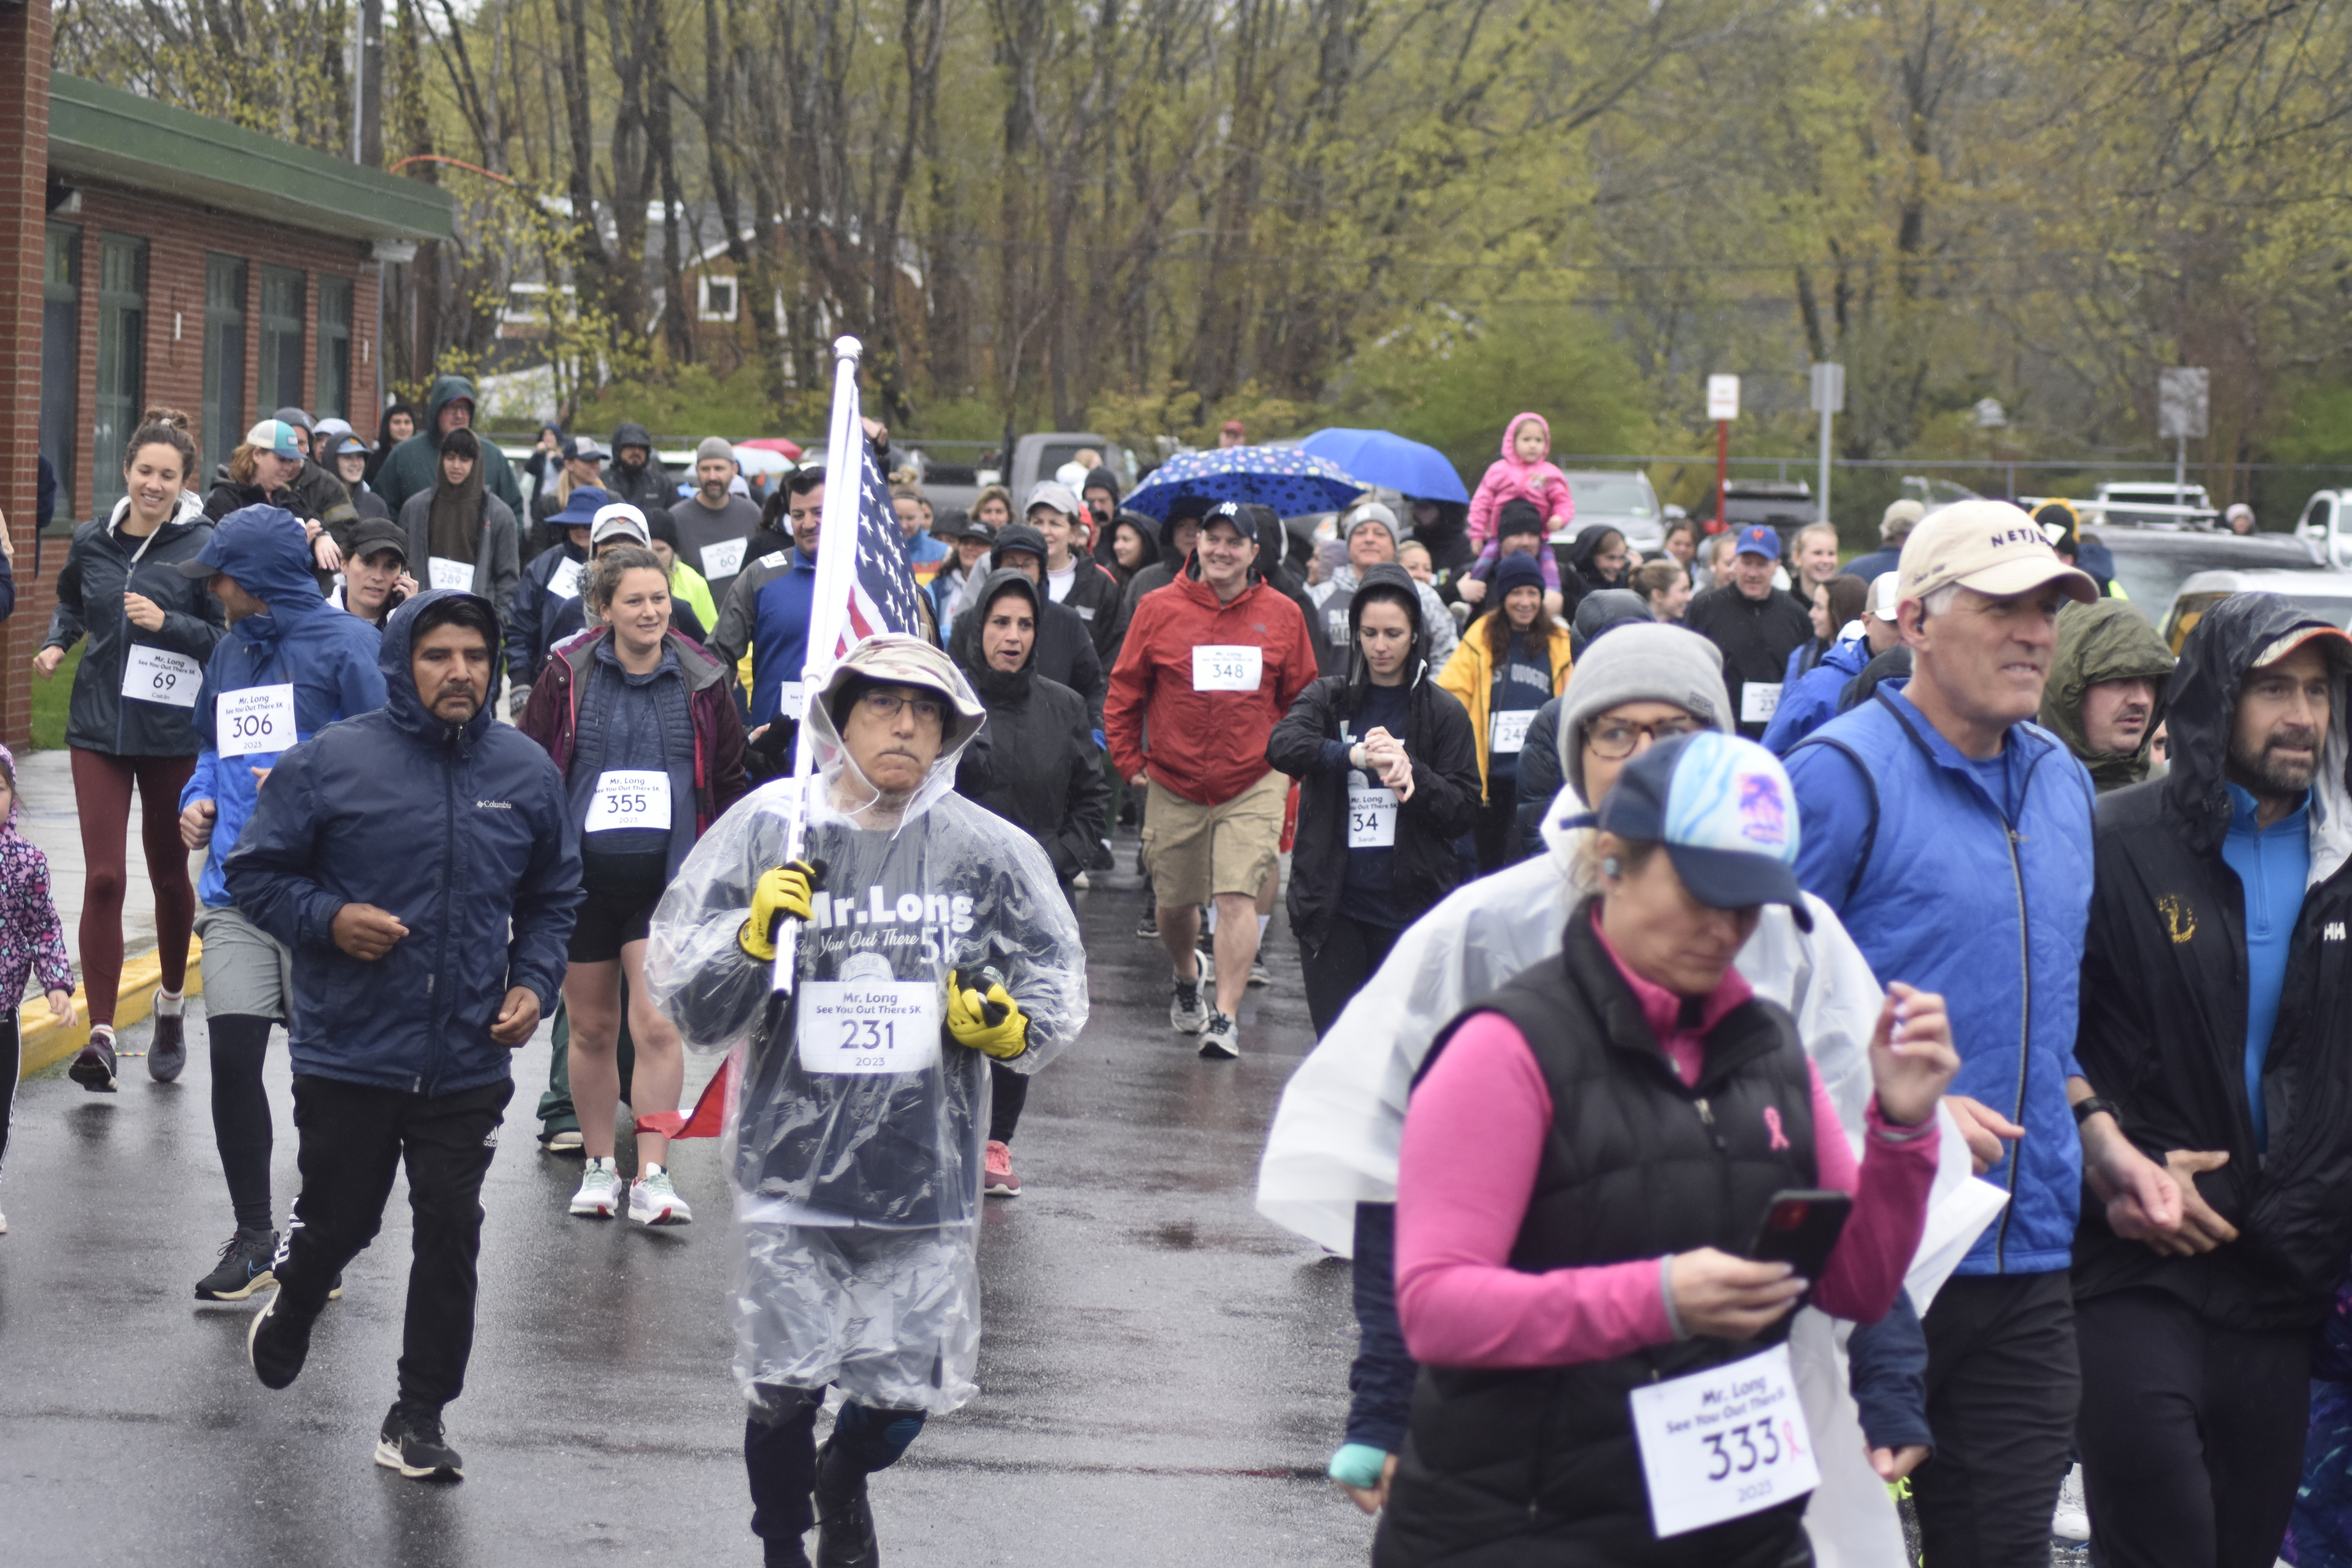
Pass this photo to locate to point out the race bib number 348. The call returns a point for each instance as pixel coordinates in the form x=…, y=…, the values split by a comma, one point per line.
x=870, y=1026
x=1723, y=1443
x=1227, y=667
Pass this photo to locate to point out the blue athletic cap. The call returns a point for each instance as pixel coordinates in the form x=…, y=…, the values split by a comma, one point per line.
x=277, y=436
x=580, y=507
x=1723, y=807
x=1759, y=540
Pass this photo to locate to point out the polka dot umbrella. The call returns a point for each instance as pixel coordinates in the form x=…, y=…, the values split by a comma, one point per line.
x=1294, y=483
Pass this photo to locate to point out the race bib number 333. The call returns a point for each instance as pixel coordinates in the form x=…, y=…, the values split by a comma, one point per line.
x=870, y=1026
x=1723, y=1443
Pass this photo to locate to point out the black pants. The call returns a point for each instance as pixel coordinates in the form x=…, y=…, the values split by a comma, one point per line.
x=12, y=1062
x=1335, y=971
x=354, y=1137
x=2002, y=1387
x=780, y=1455
x=242, y=1128
x=2192, y=1436
x=1008, y=1092
x=1498, y=828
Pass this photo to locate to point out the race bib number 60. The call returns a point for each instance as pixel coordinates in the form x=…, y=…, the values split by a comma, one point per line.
x=870, y=1026
x=1723, y=1443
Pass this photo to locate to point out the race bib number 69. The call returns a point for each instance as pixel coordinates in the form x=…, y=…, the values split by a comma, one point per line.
x=1723, y=1443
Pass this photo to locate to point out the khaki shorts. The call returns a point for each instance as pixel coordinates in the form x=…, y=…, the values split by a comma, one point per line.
x=1196, y=852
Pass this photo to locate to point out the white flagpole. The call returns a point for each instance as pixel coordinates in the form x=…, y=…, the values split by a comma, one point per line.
x=837, y=568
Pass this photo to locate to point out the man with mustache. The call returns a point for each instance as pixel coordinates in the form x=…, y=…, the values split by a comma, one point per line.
x=2215, y=1020
x=2106, y=690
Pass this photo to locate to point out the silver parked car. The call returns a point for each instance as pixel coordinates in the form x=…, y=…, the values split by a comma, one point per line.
x=1623, y=500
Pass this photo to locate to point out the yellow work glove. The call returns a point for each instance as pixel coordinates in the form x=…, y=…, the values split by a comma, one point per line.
x=778, y=893
x=968, y=1021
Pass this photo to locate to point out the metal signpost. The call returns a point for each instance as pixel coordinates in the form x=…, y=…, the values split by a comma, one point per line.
x=1829, y=402
x=2181, y=401
x=1723, y=408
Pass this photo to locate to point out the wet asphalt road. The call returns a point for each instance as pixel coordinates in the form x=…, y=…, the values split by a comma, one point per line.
x=1162, y=1377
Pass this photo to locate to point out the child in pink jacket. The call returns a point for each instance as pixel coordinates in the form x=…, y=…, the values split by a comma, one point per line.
x=1524, y=472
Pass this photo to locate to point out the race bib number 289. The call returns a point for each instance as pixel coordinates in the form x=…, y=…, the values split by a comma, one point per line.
x=1723, y=1443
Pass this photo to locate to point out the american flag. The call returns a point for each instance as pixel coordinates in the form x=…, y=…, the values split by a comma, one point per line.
x=882, y=596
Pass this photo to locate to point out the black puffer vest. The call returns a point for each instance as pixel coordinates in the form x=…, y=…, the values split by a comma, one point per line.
x=1538, y=1466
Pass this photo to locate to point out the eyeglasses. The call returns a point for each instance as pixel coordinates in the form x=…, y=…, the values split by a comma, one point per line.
x=1613, y=740
x=882, y=707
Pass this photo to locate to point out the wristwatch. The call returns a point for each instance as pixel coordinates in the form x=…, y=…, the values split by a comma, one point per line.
x=2086, y=1108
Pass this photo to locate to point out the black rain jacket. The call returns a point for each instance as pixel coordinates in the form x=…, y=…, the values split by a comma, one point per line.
x=2164, y=1007
x=1445, y=783
x=1035, y=763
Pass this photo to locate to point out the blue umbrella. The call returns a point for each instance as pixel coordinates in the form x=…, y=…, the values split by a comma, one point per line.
x=1378, y=458
x=1294, y=483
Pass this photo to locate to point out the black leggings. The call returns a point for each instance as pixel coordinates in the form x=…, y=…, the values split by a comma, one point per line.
x=1008, y=1092
x=2192, y=1436
x=780, y=1455
x=1498, y=828
x=12, y=1062
x=1335, y=971
x=241, y=1119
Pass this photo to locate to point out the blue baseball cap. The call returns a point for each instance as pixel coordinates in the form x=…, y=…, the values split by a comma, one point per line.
x=1759, y=540
x=277, y=435
x=580, y=507
x=1724, y=809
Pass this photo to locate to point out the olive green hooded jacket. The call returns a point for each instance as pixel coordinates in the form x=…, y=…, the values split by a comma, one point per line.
x=2106, y=639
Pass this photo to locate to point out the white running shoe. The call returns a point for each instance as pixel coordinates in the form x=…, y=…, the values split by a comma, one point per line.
x=1221, y=1040
x=654, y=1201
x=599, y=1196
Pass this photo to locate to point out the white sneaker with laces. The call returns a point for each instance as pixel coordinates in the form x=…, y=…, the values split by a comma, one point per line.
x=599, y=1196
x=1220, y=1038
x=654, y=1201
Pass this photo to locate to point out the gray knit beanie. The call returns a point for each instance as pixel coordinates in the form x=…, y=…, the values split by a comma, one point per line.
x=1654, y=663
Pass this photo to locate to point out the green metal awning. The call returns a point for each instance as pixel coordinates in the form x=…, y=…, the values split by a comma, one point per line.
x=104, y=133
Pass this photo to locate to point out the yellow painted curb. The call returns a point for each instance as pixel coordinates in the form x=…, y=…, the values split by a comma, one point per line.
x=47, y=1042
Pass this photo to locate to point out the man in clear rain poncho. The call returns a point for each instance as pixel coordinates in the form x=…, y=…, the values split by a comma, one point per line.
x=932, y=937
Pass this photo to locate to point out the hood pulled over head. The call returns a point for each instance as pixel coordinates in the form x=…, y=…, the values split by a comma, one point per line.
x=1511, y=430
x=2106, y=639
x=964, y=645
x=890, y=659
x=401, y=699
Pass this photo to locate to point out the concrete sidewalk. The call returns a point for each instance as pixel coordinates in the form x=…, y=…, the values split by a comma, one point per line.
x=46, y=814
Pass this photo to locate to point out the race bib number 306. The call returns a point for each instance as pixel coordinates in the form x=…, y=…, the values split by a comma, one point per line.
x=258, y=719
x=1227, y=667
x=870, y=1026
x=1723, y=1443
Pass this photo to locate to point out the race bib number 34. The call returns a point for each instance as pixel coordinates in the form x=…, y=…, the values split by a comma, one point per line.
x=1723, y=1443
x=870, y=1026
x=1371, y=816
x=1227, y=667
x=258, y=719
x=158, y=675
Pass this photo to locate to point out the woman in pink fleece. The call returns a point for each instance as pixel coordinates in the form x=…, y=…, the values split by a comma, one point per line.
x=1524, y=472
x=1585, y=1152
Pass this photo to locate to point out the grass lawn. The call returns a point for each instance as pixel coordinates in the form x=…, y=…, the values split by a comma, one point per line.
x=50, y=701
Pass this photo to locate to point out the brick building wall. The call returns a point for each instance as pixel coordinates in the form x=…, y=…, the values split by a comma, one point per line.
x=23, y=159
x=179, y=238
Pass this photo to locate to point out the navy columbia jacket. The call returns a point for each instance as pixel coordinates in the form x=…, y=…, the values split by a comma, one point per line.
x=457, y=830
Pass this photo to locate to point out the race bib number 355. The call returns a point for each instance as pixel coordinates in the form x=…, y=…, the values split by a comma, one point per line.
x=1235, y=667
x=1723, y=1443
x=870, y=1026
x=629, y=798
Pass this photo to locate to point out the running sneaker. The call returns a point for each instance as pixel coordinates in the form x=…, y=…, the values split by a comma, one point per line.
x=653, y=1200
x=1221, y=1040
x=997, y=1180
x=1258, y=975
x=567, y=1141
x=1148, y=928
x=244, y=1266
x=412, y=1442
x=93, y=1064
x=844, y=1520
x=1078, y=884
x=2071, y=1525
x=599, y=1196
x=278, y=1343
x=1186, y=1013
x=167, y=1053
